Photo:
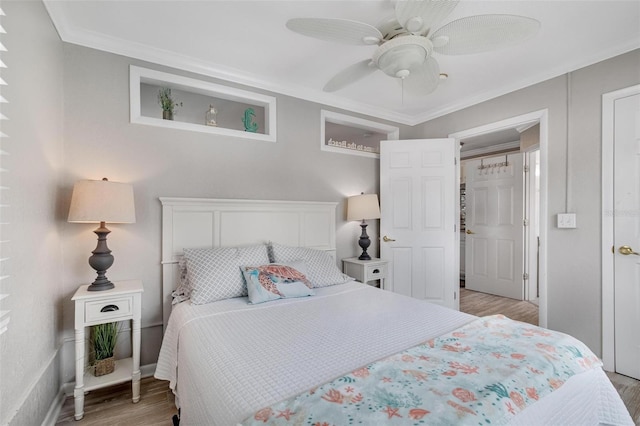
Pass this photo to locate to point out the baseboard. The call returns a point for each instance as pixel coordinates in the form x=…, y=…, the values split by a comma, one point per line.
x=66, y=390
x=56, y=405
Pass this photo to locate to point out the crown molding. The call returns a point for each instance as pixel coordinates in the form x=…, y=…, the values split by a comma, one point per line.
x=139, y=51
x=564, y=68
x=118, y=46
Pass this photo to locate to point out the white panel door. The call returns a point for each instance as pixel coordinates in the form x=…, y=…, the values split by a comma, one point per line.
x=418, y=218
x=494, y=242
x=627, y=235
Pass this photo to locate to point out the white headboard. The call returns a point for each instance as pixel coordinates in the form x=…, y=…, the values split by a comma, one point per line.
x=201, y=222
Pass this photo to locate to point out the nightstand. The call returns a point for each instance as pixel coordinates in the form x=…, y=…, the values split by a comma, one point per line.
x=121, y=303
x=366, y=270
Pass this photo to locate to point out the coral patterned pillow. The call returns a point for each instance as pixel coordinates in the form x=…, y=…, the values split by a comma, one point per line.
x=275, y=281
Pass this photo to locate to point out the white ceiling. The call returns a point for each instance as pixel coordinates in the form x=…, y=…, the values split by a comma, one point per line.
x=247, y=42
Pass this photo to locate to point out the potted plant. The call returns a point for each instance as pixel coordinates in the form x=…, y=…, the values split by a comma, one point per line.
x=167, y=103
x=103, y=342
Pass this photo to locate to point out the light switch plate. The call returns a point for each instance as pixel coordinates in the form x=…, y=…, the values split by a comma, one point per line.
x=566, y=220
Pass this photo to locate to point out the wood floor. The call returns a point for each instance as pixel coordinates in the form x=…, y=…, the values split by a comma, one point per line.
x=482, y=304
x=112, y=406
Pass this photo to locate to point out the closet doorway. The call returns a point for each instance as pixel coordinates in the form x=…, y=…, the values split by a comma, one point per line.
x=497, y=153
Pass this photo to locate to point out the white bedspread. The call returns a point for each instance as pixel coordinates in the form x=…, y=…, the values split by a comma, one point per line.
x=235, y=358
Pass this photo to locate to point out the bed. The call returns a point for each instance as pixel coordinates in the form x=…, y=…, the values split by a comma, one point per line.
x=329, y=350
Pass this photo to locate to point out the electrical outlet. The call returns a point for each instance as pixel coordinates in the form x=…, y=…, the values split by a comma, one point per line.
x=566, y=220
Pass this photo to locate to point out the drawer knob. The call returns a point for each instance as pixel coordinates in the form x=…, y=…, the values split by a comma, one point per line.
x=109, y=308
x=376, y=271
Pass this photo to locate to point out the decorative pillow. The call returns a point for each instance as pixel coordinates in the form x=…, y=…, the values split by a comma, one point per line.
x=275, y=281
x=321, y=267
x=214, y=273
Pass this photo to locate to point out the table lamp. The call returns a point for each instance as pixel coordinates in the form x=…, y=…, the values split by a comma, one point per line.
x=363, y=207
x=101, y=201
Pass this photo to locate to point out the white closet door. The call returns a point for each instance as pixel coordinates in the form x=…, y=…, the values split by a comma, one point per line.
x=627, y=235
x=494, y=226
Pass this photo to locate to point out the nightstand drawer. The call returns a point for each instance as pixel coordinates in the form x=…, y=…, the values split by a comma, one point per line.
x=117, y=307
x=375, y=272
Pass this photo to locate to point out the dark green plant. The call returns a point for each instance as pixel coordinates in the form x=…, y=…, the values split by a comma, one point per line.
x=166, y=101
x=103, y=339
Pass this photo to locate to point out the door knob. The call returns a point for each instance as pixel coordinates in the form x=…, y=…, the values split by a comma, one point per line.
x=387, y=239
x=469, y=231
x=626, y=250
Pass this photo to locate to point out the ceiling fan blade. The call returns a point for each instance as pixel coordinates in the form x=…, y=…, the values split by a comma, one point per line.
x=349, y=75
x=483, y=33
x=421, y=16
x=423, y=79
x=337, y=30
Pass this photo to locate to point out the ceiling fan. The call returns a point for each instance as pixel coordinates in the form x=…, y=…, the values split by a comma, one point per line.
x=407, y=41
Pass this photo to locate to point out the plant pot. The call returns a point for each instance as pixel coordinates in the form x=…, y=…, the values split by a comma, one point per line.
x=167, y=115
x=104, y=366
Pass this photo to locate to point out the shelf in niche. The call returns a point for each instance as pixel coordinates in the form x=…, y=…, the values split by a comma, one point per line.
x=196, y=96
x=351, y=135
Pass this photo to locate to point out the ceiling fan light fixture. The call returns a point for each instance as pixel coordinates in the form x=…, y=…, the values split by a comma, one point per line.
x=440, y=41
x=414, y=24
x=398, y=56
x=402, y=73
x=371, y=40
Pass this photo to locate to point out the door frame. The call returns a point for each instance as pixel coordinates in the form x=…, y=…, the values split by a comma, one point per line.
x=524, y=121
x=608, y=275
x=530, y=235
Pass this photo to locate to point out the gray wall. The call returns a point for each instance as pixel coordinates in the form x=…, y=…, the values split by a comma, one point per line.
x=69, y=116
x=574, y=266
x=100, y=142
x=30, y=369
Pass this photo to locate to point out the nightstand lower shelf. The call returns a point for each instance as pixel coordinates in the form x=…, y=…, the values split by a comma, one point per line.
x=122, y=373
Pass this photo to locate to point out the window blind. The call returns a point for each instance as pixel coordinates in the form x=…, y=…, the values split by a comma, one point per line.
x=4, y=260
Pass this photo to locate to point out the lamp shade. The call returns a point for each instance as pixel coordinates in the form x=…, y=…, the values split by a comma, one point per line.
x=95, y=201
x=363, y=207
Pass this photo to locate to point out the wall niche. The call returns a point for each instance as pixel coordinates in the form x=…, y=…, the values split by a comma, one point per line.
x=239, y=113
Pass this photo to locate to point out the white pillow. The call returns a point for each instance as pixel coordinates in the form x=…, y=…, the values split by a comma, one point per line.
x=214, y=273
x=321, y=267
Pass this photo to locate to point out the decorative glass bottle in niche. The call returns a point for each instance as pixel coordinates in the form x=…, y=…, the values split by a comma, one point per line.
x=210, y=116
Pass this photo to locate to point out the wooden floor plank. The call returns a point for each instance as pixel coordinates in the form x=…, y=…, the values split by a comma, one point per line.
x=112, y=406
x=482, y=304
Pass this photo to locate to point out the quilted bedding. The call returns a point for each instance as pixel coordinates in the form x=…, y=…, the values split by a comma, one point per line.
x=227, y=360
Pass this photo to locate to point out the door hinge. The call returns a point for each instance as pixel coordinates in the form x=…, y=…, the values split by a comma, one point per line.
x=455, y=161
x=455, y=229
x=525, y=222
x=455, y=295
x=526, y=169
x=525, y=276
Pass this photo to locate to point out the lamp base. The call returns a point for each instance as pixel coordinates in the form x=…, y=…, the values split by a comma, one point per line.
x=364, y=242
x=95, y=286
x=101, y=260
